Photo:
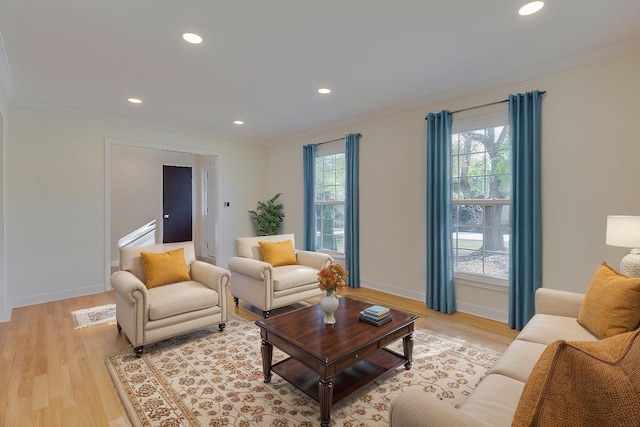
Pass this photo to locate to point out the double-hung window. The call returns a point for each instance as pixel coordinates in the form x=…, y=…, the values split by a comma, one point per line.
x=330, y=196
x=481, y=193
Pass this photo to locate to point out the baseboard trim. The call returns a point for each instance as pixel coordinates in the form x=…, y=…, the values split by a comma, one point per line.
x=55, y=296
x=463, y=307
x=480, y=311
x=5, y=316
x=394, y=290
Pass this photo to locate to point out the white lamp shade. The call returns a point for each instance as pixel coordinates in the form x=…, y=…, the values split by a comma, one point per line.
x=623, y=231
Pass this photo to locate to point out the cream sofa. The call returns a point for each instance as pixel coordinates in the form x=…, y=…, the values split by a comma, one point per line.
x=494, y=401
x=267, y=287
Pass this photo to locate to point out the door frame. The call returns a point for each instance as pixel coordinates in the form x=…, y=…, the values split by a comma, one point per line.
x=205, y=169
x=109, y=142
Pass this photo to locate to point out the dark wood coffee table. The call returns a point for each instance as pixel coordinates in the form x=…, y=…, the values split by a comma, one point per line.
x=329, y=362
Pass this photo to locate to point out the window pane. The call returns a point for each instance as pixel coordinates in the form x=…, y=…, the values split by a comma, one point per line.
x=481, y=172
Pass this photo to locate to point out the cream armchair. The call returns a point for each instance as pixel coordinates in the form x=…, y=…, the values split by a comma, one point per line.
x=267, y=287
x=148, y=315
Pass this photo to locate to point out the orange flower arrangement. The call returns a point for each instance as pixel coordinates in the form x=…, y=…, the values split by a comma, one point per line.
x=332, y=278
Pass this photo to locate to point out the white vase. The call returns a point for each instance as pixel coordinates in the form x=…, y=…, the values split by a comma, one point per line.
x=329, y=304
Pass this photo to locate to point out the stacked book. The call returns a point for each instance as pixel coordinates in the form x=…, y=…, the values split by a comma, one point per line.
x=376, y=315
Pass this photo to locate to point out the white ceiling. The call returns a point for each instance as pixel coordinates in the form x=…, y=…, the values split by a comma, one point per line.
x=263, y=61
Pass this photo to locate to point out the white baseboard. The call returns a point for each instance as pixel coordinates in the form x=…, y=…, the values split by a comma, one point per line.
x=485, y=312
x=463, y=307
x=55, y=296
x=394, y=290
x=5, y=316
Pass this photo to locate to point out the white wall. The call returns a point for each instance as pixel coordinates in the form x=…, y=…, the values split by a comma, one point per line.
x=590, y=151
x=55, y=201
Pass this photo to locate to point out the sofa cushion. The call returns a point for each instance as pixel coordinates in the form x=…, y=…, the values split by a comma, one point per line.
x=278, y=253
x=164, y=267
x=584, y=384
x=494, y=401
x=547, y=328
x=178, y=298
x=611, y=304
x=518, y=360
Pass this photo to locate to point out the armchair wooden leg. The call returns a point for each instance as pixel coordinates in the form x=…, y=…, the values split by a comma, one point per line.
x=221, y=326
x=235, y=300
x=138, y=350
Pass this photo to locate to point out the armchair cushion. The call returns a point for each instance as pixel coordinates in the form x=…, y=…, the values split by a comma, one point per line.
x=183, y=297
x=278, y=253
x=291, y=276
x=611, y=305
x=164, y=268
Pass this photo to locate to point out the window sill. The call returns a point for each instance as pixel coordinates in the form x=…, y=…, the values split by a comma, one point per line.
x=337, y=256
x=484, y=282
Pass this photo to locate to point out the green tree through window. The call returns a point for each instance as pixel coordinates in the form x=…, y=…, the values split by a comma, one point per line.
x=330, y=196
x=481, y=186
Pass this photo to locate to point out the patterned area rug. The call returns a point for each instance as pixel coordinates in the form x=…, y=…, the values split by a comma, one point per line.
x=209, y=378
x=95, y=316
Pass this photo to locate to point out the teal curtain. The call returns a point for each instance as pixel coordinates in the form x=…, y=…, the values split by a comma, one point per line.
x=352, y=210
x=525, y=261
x=440, y=282
x=309, y=179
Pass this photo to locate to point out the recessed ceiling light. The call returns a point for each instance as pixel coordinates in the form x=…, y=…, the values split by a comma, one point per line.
x=134, y=100
x=192, y=38
x=238, y=122
x=531, y=8
x=324, y=90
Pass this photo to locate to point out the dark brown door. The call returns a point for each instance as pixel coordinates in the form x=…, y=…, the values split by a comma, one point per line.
x=177, y=204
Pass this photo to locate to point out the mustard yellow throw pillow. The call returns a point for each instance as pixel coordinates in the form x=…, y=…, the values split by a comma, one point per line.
x=583, y=384
x=278, y=253
x=611, y=304
x=165, y=267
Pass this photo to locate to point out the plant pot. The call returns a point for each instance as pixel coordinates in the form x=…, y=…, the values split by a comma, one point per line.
x=329, y=304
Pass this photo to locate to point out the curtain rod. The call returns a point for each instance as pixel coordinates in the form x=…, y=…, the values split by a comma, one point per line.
x=333, y=140
x=486, y=105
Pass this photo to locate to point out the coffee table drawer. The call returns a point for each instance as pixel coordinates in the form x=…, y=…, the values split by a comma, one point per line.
x=355, y=357
x=396, y=335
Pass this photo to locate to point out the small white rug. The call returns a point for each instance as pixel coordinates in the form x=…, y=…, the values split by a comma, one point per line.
x=95, y=316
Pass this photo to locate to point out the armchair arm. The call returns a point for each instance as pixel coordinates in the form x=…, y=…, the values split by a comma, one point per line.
x=414, y=408
x=559, y=303
x=211, y=276
x=250, y=267
x=317, y=260
x=130, y=288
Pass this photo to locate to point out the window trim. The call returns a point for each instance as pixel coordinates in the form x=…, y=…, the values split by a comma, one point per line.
x=330, y=149
x=498, y=117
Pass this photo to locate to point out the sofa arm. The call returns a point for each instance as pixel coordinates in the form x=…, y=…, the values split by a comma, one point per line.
x=317, y=260
x=210, y=275
x=251, y=267
x=414, y=408
x=129, y=287
x=558, y=303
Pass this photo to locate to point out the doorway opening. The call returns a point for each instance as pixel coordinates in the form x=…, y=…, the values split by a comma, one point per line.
x=134, y=175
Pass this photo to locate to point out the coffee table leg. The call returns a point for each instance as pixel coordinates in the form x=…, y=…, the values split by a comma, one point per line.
x=267, y=355
x=325, y=395
x=407, y=346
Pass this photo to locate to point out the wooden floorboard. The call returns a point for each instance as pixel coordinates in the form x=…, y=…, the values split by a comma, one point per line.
x=54, y=375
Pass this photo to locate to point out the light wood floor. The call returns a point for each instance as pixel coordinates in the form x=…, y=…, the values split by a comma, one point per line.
x=54, y=375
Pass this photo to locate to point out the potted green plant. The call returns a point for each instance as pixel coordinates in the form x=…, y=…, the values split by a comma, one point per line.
x=268, y=216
